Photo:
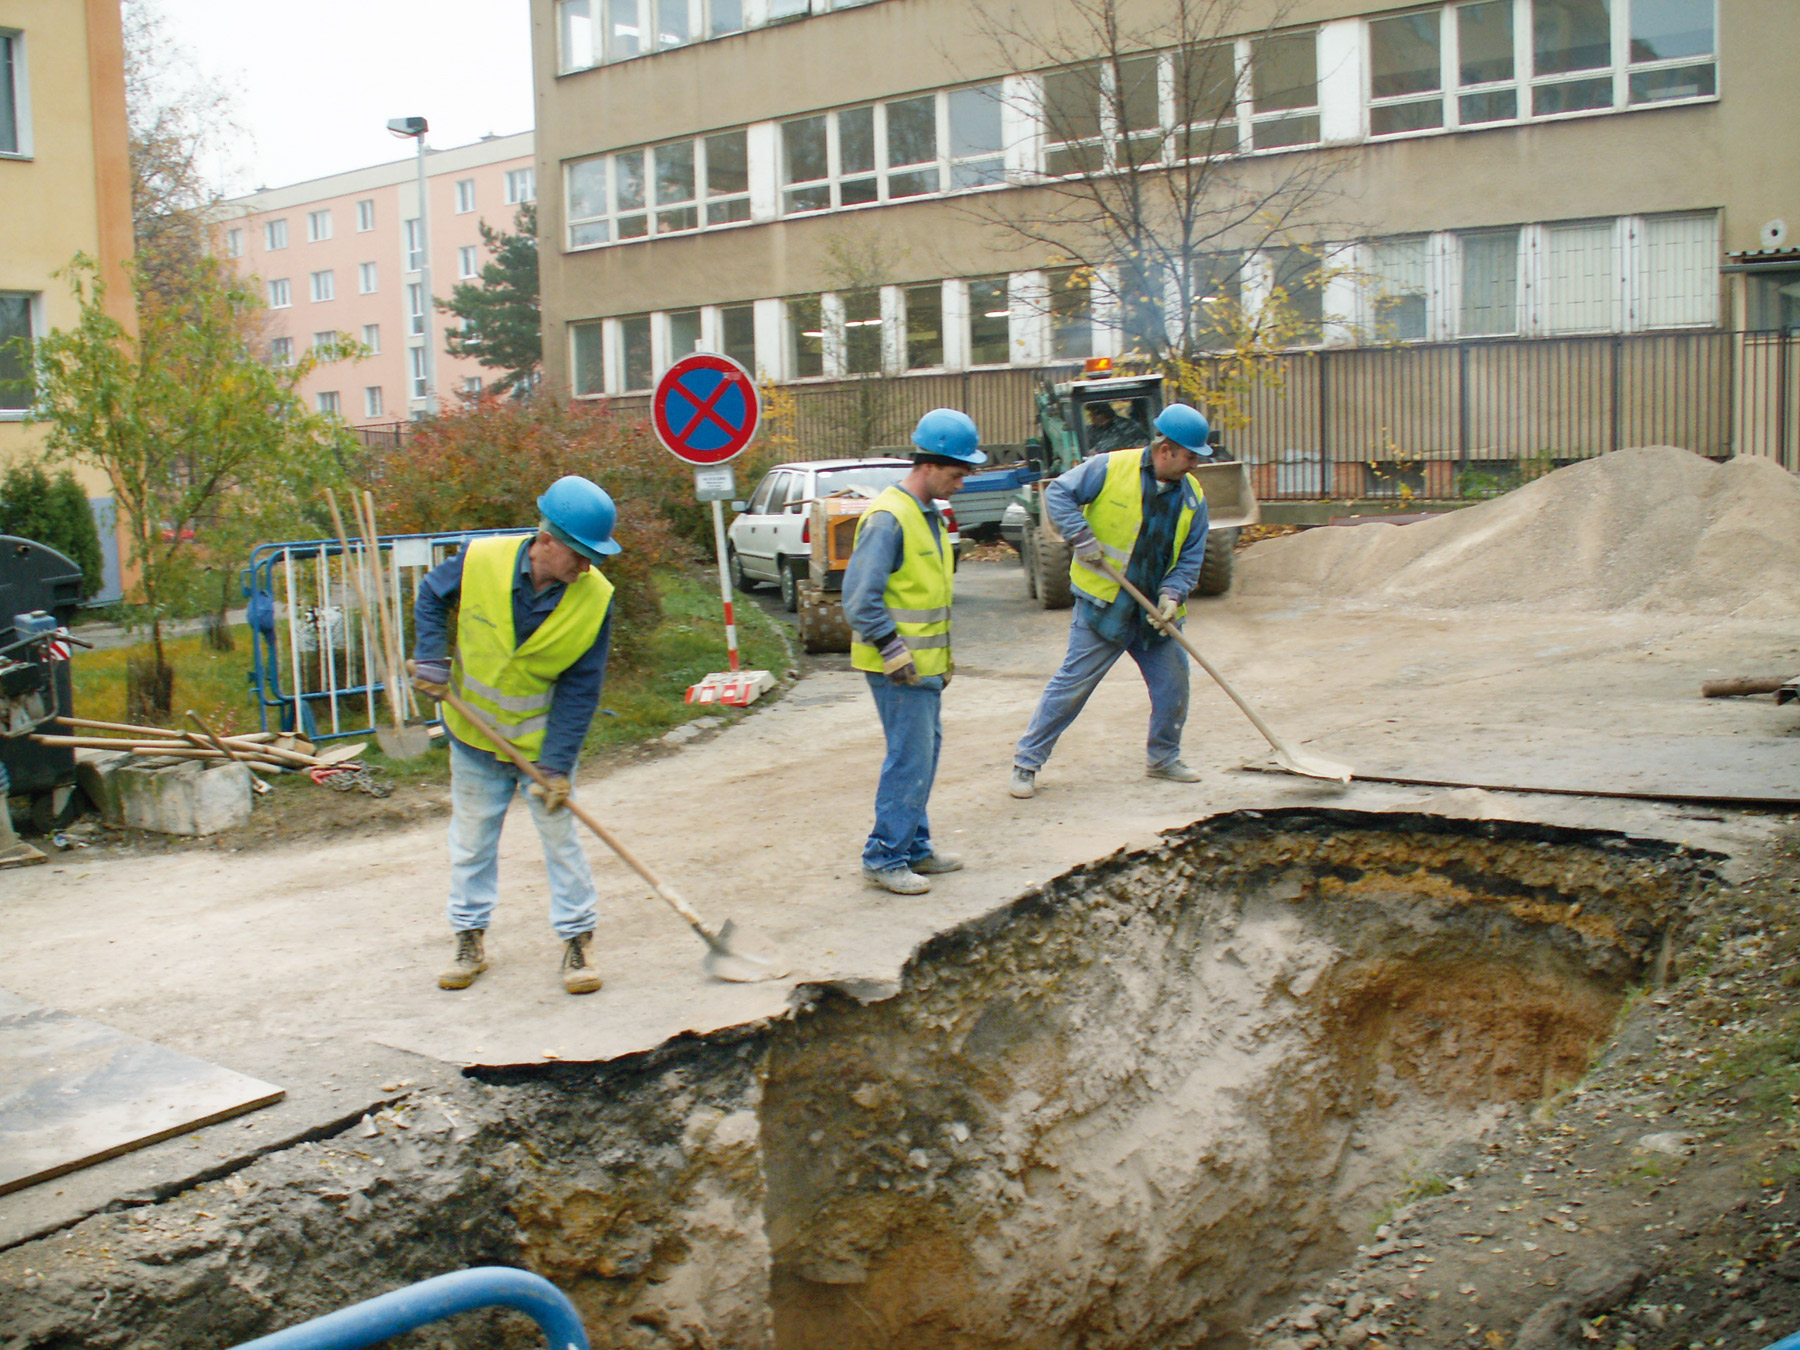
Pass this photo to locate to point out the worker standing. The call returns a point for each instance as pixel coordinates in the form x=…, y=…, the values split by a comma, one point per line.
x=1145, y=512
x=532, y=635
x=897, y=597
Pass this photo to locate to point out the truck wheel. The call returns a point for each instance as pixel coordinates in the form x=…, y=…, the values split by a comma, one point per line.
x=792, y=572
x=55, y=809
x=1216, y=567
x=1050, y=564
x=735, y=566
x=821, y=620
x=1028, y=561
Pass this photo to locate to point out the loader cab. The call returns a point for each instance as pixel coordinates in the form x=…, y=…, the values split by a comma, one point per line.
x=1110, y=413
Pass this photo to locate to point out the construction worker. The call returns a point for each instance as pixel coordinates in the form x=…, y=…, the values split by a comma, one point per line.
x=532, y=635
x=897, y=595
x=1144, y=512
x=1107, y=431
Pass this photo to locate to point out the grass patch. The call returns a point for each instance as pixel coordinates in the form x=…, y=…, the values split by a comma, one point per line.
x=215, y=684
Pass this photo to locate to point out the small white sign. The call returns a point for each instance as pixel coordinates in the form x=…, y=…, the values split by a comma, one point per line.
x=715, y=484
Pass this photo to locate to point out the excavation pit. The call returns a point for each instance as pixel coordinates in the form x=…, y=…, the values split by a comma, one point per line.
x=1136, y=1107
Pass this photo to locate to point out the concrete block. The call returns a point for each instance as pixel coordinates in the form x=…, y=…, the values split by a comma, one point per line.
x=167, y=796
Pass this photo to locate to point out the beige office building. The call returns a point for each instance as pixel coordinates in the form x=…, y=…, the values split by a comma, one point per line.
x=1504, y=175
x=344, y=255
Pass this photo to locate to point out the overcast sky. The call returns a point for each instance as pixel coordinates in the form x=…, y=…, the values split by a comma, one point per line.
x=317, y=81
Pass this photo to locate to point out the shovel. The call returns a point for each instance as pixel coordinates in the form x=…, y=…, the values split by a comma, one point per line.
x=1307, y=763
x=401, y=741
x=740, y=957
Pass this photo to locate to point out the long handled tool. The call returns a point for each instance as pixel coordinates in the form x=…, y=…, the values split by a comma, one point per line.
x=731, y=954
x=402, y=742
x=1308, y=763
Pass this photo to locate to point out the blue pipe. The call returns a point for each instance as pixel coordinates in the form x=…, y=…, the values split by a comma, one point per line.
x=460, y=1291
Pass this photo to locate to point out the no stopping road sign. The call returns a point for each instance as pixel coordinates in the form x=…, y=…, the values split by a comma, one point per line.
x=705, y=408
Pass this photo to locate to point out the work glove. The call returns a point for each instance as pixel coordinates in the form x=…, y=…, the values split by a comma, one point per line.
x=1087, y=548
x=1165, y=612
x=553, y=791
x=897, y=661
x=430, y=678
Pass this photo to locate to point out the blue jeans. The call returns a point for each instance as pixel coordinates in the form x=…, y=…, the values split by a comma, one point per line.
x=909, y=719
x=1164, y=667
x=481, y=788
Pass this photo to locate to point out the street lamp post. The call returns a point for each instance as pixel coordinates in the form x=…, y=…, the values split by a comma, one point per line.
x=416, y=127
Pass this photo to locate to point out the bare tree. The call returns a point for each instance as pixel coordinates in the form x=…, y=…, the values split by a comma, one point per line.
x=1146, y=199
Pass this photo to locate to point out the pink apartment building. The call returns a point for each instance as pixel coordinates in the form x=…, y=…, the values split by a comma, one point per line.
x=341, y=255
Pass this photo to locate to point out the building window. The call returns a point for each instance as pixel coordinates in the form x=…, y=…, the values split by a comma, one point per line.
x=366, y=278
x=471, y=386
x=16, y=393
x=806, y=337
x=275, y=234
x=325, y=340
x=234, y=243
x=1490, y=283
x=990, y=322
x=634, y=337
x=924, y=326
x=610, y=196
x=1071, y=315
x=1679, y=276
x=737, y=335
x=1667, y=37
x=415, y=244
x=1485, y=73
x=862, y=332
x=280, y=294
x=521, y=186
x=281, y=351
x=1406, y=73
x=323, y=285
x=1297, y=276
x=372, y=401
x=1775, y=300
x=590, y=32
x=327, y=401
x=1284, y=90
x=1571, y=56
x=1207, y=93
x=684, y=333
x=1401, y=296
x=415, y=363
x=465, y=262
x=465, y=196
x=1218, y=280
x=891, y=151
x=365, y=214
x=12, y=94
x=318, y=226
x=415, y=308
x=587, y=357
x=1581, y=277
x=371, y=338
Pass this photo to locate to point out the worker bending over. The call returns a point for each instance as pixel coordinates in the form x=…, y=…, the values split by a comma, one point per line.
x=1144, y=512
x=532, y=635
x=897, y=597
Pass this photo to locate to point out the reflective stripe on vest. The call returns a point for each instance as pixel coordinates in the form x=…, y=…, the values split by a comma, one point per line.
x=918, y=593
x=1116, y=516
x=511, y=685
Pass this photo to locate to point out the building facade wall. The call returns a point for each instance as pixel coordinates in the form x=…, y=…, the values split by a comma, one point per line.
x=332, y=256
x=1650, y=186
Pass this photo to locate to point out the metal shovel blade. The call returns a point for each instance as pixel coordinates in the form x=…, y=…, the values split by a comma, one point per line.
x=403, y=742
x=1311, y=764
x=742, y=957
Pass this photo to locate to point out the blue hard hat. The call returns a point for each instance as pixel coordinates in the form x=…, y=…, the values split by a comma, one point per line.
x=1183, y=425
x=949, y=434
x=580, y=514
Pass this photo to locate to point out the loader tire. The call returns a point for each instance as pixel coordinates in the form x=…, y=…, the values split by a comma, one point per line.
x=1028, y=561
x=1216, y=567
x=1050, y=565
x=821, y=620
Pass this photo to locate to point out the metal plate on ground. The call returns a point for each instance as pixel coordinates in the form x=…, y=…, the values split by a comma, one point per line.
x=1720, y=770
x=75, y=1092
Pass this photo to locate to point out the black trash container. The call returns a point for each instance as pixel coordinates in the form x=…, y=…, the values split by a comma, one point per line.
x=35, y=580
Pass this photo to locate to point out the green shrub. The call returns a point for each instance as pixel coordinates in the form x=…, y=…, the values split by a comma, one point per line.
x=53, y=511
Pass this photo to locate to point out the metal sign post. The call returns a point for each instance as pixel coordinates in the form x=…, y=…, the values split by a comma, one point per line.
x=705, y=411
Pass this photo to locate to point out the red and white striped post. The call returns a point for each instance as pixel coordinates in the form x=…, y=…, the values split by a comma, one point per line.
x=731, y=647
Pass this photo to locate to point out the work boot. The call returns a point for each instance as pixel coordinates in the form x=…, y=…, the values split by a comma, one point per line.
x=1175, y=771
x=1024, y=782
x=469, y=962
x=578, y=976
x=936, y=864
x=899, y=880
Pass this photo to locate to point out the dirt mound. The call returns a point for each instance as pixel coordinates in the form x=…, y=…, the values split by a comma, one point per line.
x=1650, y=528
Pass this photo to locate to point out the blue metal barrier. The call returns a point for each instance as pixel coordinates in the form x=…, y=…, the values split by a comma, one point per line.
x=431, y=1300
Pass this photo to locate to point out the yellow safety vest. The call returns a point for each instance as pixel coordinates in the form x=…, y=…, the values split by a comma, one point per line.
x=510, y=684
x=918, y=591
x=1116, y=516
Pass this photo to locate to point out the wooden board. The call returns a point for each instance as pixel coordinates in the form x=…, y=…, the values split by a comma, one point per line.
x=75, y=1092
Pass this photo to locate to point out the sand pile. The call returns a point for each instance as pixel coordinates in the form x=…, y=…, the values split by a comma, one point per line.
x=1651, y=528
